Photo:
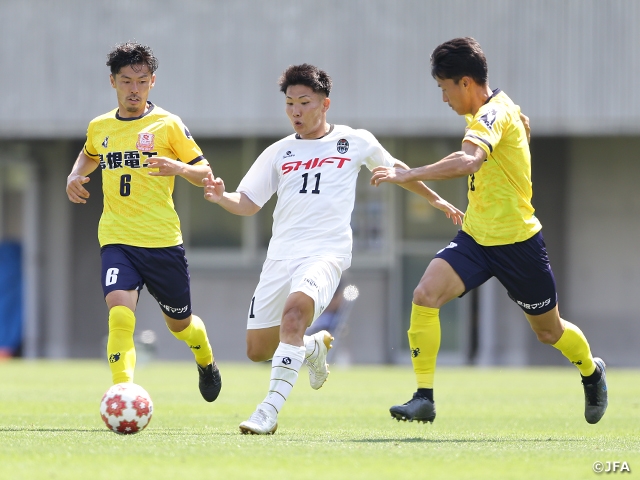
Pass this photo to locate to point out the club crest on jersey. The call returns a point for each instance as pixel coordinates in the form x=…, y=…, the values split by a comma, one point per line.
x=343, y=145
x=145, y=141
x=488, y=118
x=106, y=142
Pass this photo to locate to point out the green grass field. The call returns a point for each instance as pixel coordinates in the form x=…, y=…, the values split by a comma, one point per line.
x=491, y=424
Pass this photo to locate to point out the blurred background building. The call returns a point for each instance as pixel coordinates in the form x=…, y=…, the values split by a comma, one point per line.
x=572, y=65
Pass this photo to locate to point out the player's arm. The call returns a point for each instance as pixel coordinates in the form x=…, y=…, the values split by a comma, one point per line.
x=432, y=197
x=82, y=167
x=237, y=202
x=167, y=167
x=457, y=164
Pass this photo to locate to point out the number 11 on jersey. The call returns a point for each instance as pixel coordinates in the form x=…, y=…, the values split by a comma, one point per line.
x=305, y=176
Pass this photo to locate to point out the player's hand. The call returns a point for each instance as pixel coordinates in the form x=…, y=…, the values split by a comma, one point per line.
x=390, y=175
x=456, y=216
x=527, y=126
x=165, y=167
x=213, y=188
x=75, y=190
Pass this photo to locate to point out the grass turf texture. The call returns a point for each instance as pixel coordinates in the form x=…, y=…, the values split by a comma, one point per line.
x=491, y=424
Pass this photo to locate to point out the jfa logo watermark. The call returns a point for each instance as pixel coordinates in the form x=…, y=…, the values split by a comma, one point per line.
x=611, y=467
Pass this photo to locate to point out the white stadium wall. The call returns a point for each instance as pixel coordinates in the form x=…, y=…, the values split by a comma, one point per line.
x=570, y=64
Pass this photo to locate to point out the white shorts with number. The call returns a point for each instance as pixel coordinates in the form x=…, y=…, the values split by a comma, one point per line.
x=317, y=277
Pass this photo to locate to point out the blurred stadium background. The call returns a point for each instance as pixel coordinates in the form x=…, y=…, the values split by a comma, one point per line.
x=572, y=65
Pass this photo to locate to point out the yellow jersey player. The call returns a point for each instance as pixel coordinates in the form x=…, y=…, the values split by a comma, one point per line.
x=500, y=236
x=140, y=148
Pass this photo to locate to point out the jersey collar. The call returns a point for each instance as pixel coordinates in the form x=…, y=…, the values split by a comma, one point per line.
x=149, y=104
x=298, y=137
x=493, y=95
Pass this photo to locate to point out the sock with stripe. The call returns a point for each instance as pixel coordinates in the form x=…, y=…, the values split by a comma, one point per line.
x=285, y=366
x=195, y=336
x=121, y=351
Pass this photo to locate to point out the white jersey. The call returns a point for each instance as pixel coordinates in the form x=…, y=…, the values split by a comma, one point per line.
x=316, y=185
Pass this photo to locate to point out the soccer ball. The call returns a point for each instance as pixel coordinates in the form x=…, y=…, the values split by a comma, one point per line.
x=126, y=408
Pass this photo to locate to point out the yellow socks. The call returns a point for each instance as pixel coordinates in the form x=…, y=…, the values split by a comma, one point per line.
x=575, y=347
x=195, y=336
x=121, y=351
x=424, y=341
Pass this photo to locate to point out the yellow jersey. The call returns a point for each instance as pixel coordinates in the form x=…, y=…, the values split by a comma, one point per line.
x=138, y=208
x=500, y=210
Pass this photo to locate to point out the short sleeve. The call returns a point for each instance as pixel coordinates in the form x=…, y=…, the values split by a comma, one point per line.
x=88, y=148
x=182, y=143
x=373, y=153
x=486, y=128
x=261, y=181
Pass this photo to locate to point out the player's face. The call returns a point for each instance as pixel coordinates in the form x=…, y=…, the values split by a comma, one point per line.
x=307, y=111
x=456, y=95
x=133, y=84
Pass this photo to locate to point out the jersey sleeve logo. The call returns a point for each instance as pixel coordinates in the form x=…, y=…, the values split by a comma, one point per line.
x=342, y=146
x=489, y=118
x=145, y=141
x=187, y=133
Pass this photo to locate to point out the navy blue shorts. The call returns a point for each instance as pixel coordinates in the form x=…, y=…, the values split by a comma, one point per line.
x=523, y=268
x=164, y=270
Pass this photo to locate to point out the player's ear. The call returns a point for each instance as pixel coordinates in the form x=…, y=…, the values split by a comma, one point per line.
x=325, y=104
x=112, y=80
x=153, y=81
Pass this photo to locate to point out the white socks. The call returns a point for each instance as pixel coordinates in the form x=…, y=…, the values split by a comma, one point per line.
x=285, y=366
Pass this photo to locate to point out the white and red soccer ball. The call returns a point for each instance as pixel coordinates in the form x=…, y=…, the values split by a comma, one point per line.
x=126, y=408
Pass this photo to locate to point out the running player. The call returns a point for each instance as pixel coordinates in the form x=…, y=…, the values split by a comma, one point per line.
x=500, y=235
x=314, y=172
x=140, y=148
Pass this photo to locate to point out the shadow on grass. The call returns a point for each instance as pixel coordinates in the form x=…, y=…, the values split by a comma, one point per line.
x=154, y=432
x=464, y=440
x=41, y=429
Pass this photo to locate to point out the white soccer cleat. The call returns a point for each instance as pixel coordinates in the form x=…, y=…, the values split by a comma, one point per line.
x=260, y=423
x=318, y=368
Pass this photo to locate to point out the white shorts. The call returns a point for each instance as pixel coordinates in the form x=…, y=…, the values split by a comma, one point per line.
x=318, y=277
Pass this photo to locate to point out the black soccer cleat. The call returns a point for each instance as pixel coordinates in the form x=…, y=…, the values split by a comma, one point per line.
x=595, y=395
x=210, y=381
x=420, y=409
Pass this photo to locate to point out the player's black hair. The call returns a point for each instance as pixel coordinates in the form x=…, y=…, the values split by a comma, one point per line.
x=317, y=80
x=131, y=53
x=457, y=58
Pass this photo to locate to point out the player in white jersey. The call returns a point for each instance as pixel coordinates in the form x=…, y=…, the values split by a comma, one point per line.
x=314, y=173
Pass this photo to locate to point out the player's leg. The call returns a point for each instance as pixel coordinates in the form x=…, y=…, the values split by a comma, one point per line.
x=319, y=278
x=166, y=274
x=524, y=269
x=193, y=332
x=439, y=284
x=121, y=283
x=263, y=333
x=455, y=270
x=306, y=279
x=285, y=365
x=569, y=339
x=265, y=310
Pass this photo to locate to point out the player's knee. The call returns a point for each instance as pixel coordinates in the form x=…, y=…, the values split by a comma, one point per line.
x=255, y=353
x=547, y=337
x=425, y=297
